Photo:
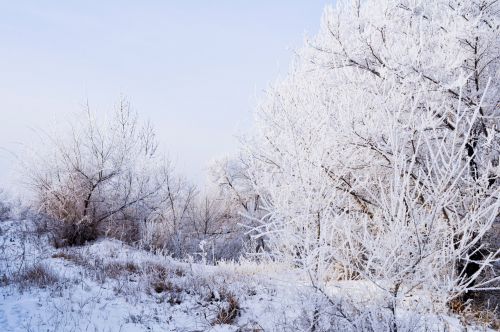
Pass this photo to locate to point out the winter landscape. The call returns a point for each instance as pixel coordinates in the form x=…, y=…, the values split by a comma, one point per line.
x=363, y=194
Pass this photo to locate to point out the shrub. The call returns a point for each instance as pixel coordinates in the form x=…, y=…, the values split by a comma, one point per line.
x=5, y=207
x=4, y=211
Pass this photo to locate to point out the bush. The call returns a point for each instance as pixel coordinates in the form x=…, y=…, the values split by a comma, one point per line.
x=5, y=207
x=4, y=211
x=75, y=234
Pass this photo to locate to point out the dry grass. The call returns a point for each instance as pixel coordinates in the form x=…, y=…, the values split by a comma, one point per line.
x=488, y=318
x=160, y=286
x=457, y=306
x=227, y=313
x=76, y=258
x=37, y=275
x=160, y=283
x=179, y=272
x=156, y=270
x=117, y=269
x=73, y=257
x=97, y=267
x=167, y=291
x=476, y=313
x=483, y=317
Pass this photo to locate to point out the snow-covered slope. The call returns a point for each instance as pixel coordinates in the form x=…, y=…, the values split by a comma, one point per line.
x=110, y=286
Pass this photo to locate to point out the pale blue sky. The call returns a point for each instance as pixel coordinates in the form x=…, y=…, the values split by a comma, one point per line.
x=194, y=68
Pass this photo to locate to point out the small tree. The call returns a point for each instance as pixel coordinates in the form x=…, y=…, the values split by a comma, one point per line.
x=101, y=177
x=166, y=228
x=235, y=187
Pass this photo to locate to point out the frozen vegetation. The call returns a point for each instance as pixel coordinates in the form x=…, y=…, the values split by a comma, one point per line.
x=111, y=286
x=365, y=199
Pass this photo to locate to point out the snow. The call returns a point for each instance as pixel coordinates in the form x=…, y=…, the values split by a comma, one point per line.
x=366, y=194
x=78, y=302
x=88, y=297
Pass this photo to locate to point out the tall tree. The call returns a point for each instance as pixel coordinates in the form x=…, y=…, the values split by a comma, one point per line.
x=377, y=158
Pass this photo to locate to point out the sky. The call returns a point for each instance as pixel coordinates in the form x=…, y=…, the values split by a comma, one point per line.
x=195, y=69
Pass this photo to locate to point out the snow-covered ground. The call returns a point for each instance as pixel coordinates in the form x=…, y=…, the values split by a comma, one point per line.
x=110, y=286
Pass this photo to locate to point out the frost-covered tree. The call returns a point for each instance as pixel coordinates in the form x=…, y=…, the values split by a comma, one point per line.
x=377, y=158
x=166, y=227
x=235, y=187
x=103, y=176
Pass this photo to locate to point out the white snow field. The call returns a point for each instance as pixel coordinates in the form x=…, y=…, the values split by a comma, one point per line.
x=110, y=286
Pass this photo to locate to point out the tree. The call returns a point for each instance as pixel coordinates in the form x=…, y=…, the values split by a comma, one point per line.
x=101, y=177
x=166, y=228
x=377, y=157
x=235, y=188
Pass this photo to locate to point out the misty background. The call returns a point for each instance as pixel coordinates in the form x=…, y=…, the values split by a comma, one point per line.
x=196, y=69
